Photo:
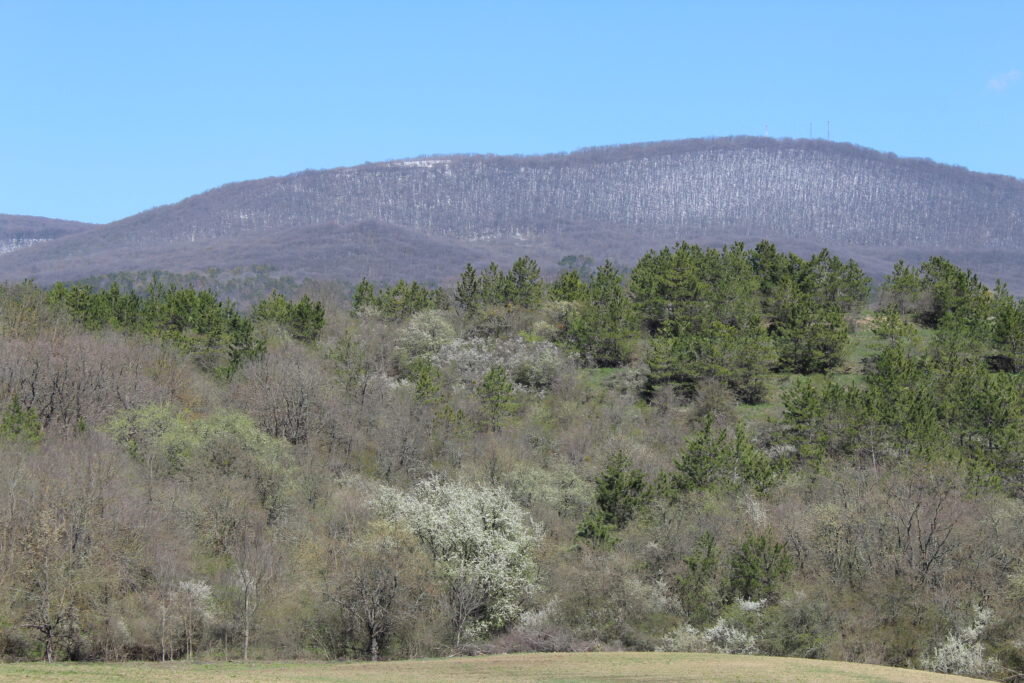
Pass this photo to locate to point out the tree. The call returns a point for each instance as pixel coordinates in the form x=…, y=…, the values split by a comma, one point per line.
x=621, y=493
x=49, y=582
x=759, y=565
x=303, y=320
x=696, y=587
x=703, y=461
x=810, y=339
x=481, y=542
x=193, y=604
x=254, y=558
x=496, y=393
x=569, y=286
x=523, y=284
x=903, y=289
x=380, y=582
x=493, y=285
x=602, y=326
x=467, y=292
x=20, y=423
x=364, y=296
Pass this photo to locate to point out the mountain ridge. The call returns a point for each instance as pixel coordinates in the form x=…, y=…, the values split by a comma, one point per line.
x=599, y=201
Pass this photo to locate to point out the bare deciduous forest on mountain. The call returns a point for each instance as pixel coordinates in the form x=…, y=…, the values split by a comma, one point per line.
x=424, y=218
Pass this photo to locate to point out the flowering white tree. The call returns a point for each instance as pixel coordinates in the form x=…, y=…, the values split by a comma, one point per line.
x=194, y=602
x=963, y=652
x=481, y=542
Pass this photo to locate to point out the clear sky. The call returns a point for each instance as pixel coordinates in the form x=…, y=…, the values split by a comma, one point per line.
x=109, y=108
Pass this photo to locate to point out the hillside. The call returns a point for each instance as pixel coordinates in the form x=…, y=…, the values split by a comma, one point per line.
x=611, y=202
x=18, y=232
x=723, y=451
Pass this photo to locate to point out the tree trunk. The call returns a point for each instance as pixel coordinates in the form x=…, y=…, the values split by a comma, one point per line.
x=245, y=629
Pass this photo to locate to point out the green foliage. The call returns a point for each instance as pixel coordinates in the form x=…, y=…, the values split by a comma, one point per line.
x=713, y=458
x=523, y=285
x=497, y=394
x=903, y=289
x=569, y=286
x=364, y=296
x=705, y=308
x=1008, y=328
x=493, y=285
x=602, y=326
x=622, y=492
x=427, y=379
x=741, y=358
x=468, y=292
x=809, y=339
x=20, y=423
x=935, y=290
x=196, y=322
x=758, y=567
x=304, y=319
x=168, y=442
x=403, y=299
x=697, y=585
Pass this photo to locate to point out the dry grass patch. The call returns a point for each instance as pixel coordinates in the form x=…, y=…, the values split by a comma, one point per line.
x=601, y=666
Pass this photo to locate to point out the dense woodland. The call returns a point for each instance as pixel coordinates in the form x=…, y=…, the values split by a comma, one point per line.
x=725, y=450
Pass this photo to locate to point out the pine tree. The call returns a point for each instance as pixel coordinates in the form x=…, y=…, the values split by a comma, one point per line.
x=364, y=296
x=602, y=328
x=20, y=423
x=622, y=492
x=467, y=292
x=496, y=393
x=568, y=287
x=523, y=283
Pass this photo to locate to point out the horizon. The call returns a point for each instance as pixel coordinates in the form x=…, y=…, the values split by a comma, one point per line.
x=454, y=155
x=113, y=109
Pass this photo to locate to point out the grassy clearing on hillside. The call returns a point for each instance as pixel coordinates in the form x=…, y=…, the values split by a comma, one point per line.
x=602, y=666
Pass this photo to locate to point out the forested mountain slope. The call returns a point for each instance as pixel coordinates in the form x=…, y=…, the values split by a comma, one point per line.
x=722, y=450
x=603, y=202
x=17, y=232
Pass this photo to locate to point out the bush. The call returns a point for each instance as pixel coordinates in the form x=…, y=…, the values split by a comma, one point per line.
x=962, y=652
x=426, y=332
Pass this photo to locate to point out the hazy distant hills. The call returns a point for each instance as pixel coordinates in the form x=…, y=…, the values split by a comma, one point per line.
x=17, y=232
x=425, y=218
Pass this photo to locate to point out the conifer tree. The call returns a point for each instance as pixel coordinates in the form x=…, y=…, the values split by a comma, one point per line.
x=20, y=423
x=467, y=292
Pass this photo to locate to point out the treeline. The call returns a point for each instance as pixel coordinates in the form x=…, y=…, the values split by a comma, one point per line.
x=720, y=450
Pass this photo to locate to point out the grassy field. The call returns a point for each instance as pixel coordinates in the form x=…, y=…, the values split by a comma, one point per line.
x=602, y=666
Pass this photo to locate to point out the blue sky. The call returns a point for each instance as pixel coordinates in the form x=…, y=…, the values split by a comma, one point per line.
x=109, y=108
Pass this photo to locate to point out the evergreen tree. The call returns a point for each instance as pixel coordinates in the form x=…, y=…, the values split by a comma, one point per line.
x=523, y=284
x=303, y=320
x=364, y=296
x=602, y=327
x=758, y=567
x=569, y=287
x=20, y=423
x=468, y=292
x=493, y=285
x=696, y=587
x=622, y=493
x=704, y=460
x=810, y=338
x=496, y=393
